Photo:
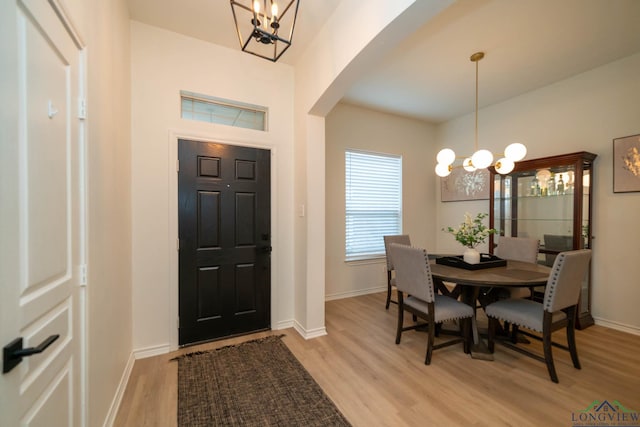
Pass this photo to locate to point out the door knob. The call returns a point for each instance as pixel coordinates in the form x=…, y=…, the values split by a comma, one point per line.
x=13, y=352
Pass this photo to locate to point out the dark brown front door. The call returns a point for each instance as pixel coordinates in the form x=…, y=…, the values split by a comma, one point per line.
x=225, y=240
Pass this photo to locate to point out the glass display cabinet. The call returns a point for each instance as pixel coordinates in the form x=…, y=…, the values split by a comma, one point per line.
x=548, y=199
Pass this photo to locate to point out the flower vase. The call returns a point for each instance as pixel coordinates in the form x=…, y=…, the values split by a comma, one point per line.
x=471, y=256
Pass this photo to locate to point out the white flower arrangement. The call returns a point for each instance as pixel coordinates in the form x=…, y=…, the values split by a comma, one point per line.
x=471, y=232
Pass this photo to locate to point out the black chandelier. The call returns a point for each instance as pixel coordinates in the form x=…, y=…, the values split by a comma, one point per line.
x=264, y=27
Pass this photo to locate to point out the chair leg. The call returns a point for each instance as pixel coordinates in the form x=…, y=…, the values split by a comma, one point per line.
x=506, y=326
x=492, y=334
x=466, y=334
x=514, y=334
x=546, y=345
x=571, y=338
x=400, y=317
x=388, y=290
x=430, y=340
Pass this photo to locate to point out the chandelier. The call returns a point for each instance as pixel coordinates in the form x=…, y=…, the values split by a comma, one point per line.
x=481, y=159
x=264, y=28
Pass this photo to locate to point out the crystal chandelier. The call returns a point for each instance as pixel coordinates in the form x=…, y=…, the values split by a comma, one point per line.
x=265, y=29
x=480, y=159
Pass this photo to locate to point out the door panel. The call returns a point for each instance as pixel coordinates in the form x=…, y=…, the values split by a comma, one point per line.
x=41, y=295
x=224, y=231
x=208, y=219
x=209, y=293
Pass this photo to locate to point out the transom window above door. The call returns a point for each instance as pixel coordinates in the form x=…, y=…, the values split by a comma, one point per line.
x=203, y=108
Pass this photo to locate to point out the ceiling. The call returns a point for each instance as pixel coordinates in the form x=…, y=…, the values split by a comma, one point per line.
x=528, y=44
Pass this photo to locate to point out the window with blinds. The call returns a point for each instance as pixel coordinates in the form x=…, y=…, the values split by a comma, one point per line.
x=373, y=191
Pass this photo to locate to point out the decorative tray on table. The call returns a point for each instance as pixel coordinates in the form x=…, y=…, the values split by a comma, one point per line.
x=486, y=261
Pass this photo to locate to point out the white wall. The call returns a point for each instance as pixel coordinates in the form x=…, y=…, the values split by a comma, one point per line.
x=353, y=127
x=163, y=63
x=582, y=113
x=356, y=35
x=103, y=28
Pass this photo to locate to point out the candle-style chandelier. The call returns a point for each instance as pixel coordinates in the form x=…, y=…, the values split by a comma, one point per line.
x=265, y=29
x=480, y=159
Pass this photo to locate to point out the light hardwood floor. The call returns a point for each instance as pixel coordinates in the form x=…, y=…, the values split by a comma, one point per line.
x=375, y=382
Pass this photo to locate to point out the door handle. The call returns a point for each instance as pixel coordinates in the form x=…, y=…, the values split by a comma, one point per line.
x=265, y=249
x=13, y=352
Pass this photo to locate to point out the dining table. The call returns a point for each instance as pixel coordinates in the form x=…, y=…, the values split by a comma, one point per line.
x=468, y=283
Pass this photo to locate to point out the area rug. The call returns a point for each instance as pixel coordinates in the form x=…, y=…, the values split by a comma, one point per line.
x=256, y=383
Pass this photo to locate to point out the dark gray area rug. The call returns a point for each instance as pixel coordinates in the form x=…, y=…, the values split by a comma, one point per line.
x=256, y=383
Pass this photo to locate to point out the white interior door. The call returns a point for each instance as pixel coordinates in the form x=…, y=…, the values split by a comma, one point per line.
x=41, y=217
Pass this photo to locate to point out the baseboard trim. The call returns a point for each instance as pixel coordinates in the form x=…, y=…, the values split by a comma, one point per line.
x=156, y=350
x=617, y=326
x=284, y=324
x=117, y=399
x=356, y=293
x=311, y=333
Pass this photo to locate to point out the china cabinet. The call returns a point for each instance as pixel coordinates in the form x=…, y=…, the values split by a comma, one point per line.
x=549, y=199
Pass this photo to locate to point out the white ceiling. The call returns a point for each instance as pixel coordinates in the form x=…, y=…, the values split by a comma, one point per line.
x=528, y=44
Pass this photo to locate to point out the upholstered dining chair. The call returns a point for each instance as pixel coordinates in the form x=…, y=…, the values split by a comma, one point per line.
x=413, y=278
x=523, y=249
x=402, y=239
x=557, y=310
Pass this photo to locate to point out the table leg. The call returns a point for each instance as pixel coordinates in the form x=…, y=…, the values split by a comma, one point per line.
x=468, y=295
x=479, y=349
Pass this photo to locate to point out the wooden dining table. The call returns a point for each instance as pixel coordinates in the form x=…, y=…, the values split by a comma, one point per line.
x=469, y=282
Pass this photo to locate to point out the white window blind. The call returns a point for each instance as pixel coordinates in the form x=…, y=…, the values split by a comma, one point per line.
x=222, y=111
x=373, y=190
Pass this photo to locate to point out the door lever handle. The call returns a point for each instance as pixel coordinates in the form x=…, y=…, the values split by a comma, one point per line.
x=13, y=352
x=265, y=249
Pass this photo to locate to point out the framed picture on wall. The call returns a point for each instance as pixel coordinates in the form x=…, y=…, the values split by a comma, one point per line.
x=462, y=185
x=626, y=164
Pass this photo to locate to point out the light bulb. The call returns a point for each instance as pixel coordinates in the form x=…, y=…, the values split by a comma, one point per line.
x=256, y=7
x=515, y=151
x=468, y=165
x=482, y=159
x=504, y=166
x=446, y=156
x=274, y=10
x=443, y=170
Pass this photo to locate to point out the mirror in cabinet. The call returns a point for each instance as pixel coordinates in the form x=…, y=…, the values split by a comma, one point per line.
x=548, y=199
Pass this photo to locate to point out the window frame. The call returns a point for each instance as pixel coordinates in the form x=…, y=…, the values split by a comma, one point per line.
x=390, y=212
x=204, y=102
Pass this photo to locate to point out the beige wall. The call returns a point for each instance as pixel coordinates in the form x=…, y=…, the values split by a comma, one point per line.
x=104, y=28
x=109, y=169
x=582, y=113
x=348, y=126
x=340, y=53
x=162, y=64
x=130, y=175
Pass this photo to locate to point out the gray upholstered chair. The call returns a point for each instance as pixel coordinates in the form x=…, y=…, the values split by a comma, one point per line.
x=557, y=310
x=554, y=242
x=402, y=239
x=413, y=279
x=523, y=249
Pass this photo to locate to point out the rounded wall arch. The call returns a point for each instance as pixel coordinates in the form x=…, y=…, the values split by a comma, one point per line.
x=356, y=36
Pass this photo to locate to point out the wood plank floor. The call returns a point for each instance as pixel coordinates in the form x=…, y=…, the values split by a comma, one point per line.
x=375, y=382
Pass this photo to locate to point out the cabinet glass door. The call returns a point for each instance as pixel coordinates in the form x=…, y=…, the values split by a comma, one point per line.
x=537, y=204
x=548, y=199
